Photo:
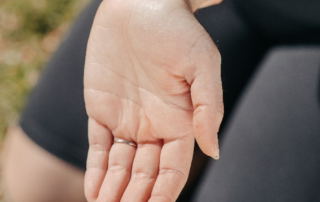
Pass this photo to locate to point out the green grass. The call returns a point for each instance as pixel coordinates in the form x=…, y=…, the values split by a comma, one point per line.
x=30, y=31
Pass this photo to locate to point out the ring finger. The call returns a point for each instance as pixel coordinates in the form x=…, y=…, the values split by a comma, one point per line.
x=119, y=172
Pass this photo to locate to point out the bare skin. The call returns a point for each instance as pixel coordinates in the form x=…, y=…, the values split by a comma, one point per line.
x=160, y=71
x=152, y=76
x=31, y=174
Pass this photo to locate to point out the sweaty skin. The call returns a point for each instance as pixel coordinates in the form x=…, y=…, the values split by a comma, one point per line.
x=152, y=76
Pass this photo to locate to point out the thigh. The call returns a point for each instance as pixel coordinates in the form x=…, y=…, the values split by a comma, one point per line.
x=31, y=174
x=271, y=148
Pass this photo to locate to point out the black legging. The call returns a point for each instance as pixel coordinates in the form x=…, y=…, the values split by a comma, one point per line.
x=269, y=144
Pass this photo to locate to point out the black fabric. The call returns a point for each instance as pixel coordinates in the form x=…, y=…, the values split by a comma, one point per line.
x=284, y=21
x=271, y=146
x=243, y=30
x=55, y=116
x=240, y=45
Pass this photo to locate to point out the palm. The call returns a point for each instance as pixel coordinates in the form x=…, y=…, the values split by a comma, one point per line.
x=141, y=66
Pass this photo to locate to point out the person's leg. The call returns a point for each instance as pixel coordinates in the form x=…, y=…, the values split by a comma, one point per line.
x=31, y=174
x=271, y=148
x=45, y=161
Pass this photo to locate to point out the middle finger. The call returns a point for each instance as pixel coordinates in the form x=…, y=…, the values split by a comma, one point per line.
x=144, y=172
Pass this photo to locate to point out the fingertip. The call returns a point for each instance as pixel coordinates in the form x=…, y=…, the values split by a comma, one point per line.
x=216, y=151
x=206, y=120
x=209, y=145
x=91, y=188
x=213, y=152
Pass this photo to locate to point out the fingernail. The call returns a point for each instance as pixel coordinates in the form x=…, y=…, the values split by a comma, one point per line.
x=215, y=153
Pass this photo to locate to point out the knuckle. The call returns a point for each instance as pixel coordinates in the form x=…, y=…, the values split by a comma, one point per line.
x=162, y=198
x=113, y=199
x=97, y=148
x=95, y=155
x=170, y=171
x=143, y=176
x=216, y=114
x=116, y=168
x=199, y=127
x=198, y=109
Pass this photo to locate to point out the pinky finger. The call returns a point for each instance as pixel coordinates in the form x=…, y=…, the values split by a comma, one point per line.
x=100, y=141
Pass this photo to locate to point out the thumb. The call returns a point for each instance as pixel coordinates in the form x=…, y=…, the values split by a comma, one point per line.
x=204, y=76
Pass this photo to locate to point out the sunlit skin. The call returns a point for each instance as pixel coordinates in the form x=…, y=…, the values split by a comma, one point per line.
x=152, y=76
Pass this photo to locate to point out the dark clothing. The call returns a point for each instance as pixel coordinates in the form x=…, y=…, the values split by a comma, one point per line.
x=55, y=116
x=283, y=21
x=270, y=146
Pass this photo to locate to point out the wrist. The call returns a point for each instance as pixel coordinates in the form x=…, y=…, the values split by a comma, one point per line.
x=197, y=4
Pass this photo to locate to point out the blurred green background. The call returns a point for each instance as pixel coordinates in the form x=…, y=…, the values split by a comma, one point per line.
x=30, y=31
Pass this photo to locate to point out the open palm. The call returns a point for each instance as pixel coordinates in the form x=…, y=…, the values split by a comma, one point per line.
x=152, y=76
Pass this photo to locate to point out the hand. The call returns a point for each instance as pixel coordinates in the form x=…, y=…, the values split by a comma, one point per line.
x=152, y=76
